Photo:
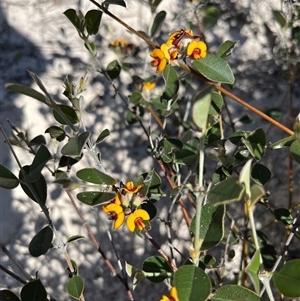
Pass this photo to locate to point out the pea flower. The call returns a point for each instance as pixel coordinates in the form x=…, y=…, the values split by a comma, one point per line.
x=115, y=212
x=173, y=295
x=148, y=86
x=196, y=50
x=138, y=220
x=129, y=187
x=160, y=61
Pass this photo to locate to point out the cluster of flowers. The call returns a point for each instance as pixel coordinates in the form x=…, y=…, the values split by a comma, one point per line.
x=174, y=48
x=127, y=203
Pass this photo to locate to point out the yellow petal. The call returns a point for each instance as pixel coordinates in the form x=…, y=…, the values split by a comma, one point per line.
x=119, y=221
x=162, y=65
x=165, y=50
x=164, y=298
x=112, y=207
x=142, y=214
x=190, y=48
x=173, y=293
x=130, y=222
x=157, y=53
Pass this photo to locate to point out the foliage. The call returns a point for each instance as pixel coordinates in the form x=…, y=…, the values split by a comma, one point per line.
x=200, y=139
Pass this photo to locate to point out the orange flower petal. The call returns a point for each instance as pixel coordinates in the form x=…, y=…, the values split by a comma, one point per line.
x=119, y=221
x=136, y=219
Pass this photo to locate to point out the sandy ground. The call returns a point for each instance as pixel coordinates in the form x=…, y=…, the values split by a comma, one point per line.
x=35, y=35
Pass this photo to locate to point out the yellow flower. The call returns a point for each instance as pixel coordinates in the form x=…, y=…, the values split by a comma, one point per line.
x=129, y=187
x=173, y=295
x=149, y=86
x=137, y=220
x=115, y=212
x=196, y=50
x=160, y=62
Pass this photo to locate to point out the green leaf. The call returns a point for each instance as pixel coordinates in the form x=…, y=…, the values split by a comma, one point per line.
x=137, y=274
x=151, y=181
x=6, y=295
x=216, y=104
x=135, y=98
x=172, y=145
x=253, y=268
x=65, y=115
x=227, y=191
x=285, y=142
x=33, y=291
x=234, y=292
x=26, y=91
x=274, y=113
x=200, y=111
x=75, y=20
x=37, y=141
x=192, y=284
x=40, y=159
x=156, y=269
x=171, y=81
x=39, y=187
x=256, y=143
x=41, y=242
x=288, y=278
x=225, y=48
x=103, y=135
x=283, y=215
x=279, y=18
x=7, y=179
x=186, y=157
x=114, y=2
x=113, y=69
x=95, y=198
x=257, y=192
x=75, y=145
x=92, y=21
x=260, y=174
x=244, y=177
x=215, y=69
x=74, y=238
x=211, y=227
x=157, y=23
x=75, y=287
x=93, y=175
x=295, y=151
x=56, y=132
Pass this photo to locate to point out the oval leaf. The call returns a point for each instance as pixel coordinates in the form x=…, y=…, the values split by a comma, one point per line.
x=92, y=21
x=6, y=295
x=157, y=23
x=72, y=16
x=295, y=151
x=227, y=191
x=26, y=91
x=56, y=132
x=234, y=292
x=256, y=143
x=288, y=278
x=103, y=135
x=65, y=115
x=192, y=284
x=34, y=291
x=93, y=175
x=75, y=287
x=7, y=179
x=225, y=48
x=260, y=174
x=36, y=190
x=41, y=242
x=157, y=269
x=40, y=159
x=171, y=81
x=215, y=69
x=94, y=198
x=211, y=227
x=200, y=111
x=75, y=145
